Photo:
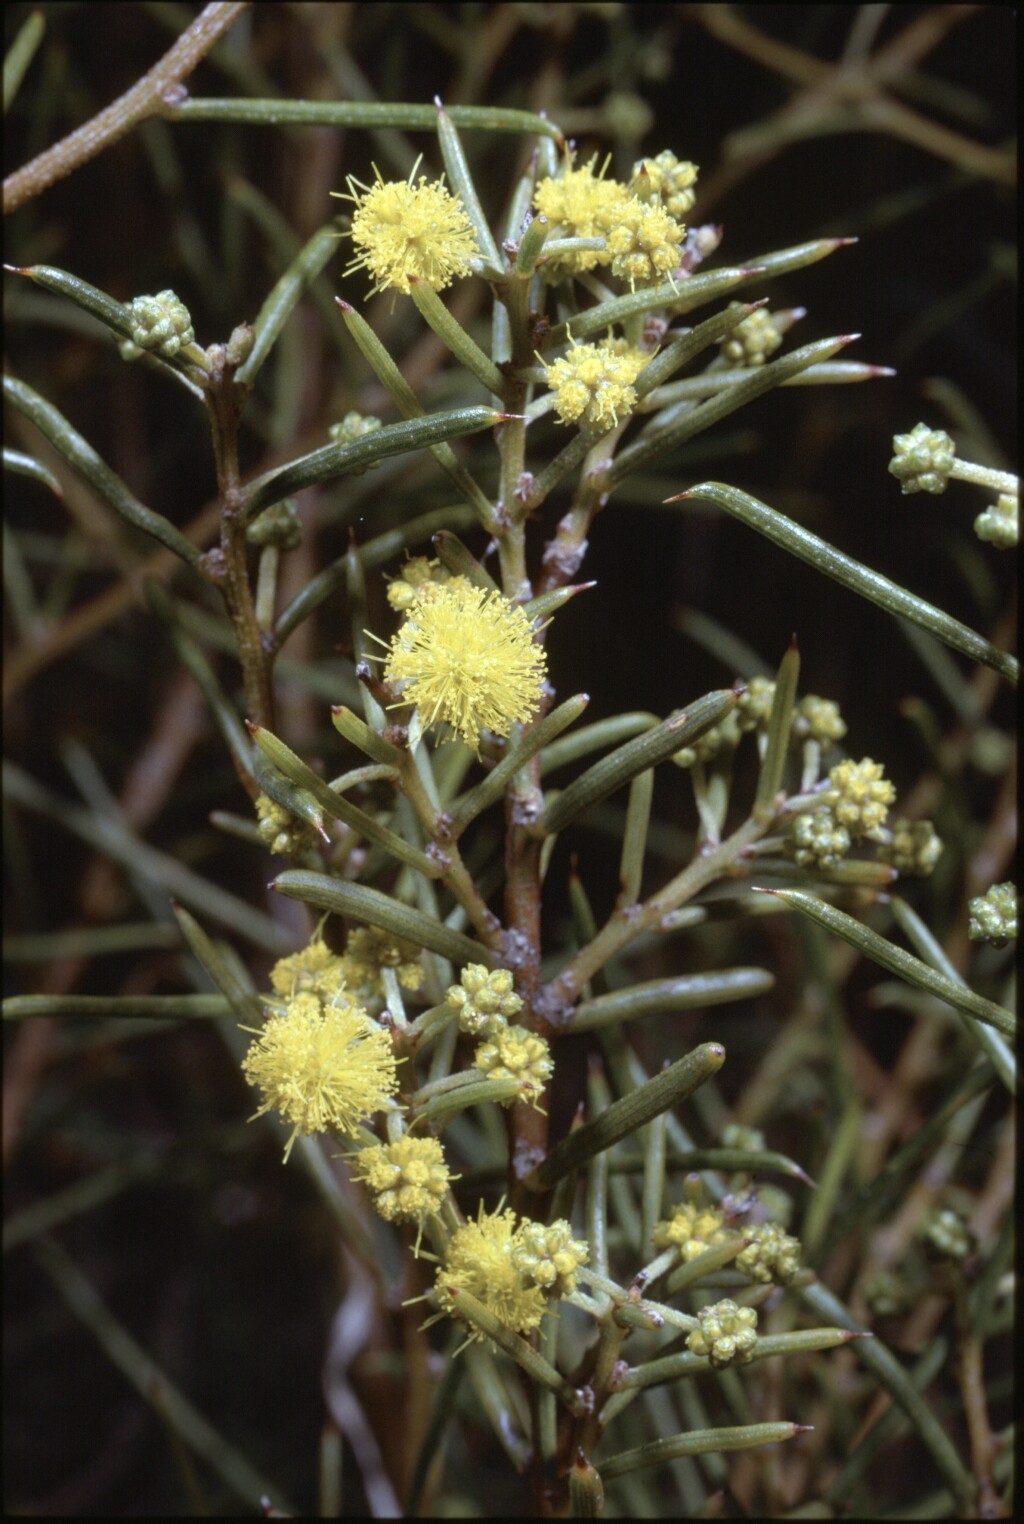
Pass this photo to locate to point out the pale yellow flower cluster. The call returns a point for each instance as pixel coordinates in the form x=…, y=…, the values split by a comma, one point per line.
x=467, y=657
x=515, y=1271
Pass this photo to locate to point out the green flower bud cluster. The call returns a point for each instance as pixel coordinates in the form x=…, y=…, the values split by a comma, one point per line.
x=627, y=115
x=485, y=1001
x=734, y=1135
x=946, y=1235
x=753, y=340
x=887, y=1294
x=999, y=525
x=754, y=707
x=693, y=1228
x=915, y=848
x=774, y=1256
x=818, y=840
x=860, y=796
x=723, y=737
x=818, y=719
x=727, y=1334
x=549, y=1256
x=278, y=525
x=670, y=179
x=923, y=460
x=352, y=427
x=994, y=915
x=281, y=831
x=160, y=323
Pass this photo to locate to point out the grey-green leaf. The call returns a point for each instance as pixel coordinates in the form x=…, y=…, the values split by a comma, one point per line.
x=860, y=579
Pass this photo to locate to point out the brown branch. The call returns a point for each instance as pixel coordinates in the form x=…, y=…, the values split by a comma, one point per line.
x=142, y=101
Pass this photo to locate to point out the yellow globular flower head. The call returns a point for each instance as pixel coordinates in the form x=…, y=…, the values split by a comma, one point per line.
x=670, y=179
x=368, y=951
x=408, y=1180
x=593, y=383
x=402, y=229
x=467, y=657
x=773, y=1256
x=481, y=1260
x=484, y=999
x=644, y=243
x=727, y=1334
x=692, y=1229
x=315, y=969
x=322, y=1066
x=579, y=204
x=550, y=1256
x=516, y=1053
x=860, y=796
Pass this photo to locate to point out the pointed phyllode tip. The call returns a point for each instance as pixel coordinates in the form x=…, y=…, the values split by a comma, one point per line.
x=678, y=497
x=345, y=306
x=251, y=728
x=803, y=1428
x=753, y=269
x=840, y=243
x=847, y=338
x=438, y=103
x=793, y=642
x=858, y=1333
x=754, y=889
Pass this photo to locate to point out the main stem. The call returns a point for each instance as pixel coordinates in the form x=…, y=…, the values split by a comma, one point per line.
x=228, y=565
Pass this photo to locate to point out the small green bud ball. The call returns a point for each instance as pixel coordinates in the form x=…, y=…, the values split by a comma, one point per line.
x=160, y=323
x=923, y=459
x=994, y=916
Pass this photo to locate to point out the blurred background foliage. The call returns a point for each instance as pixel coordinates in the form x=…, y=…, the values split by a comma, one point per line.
x=892, y=124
